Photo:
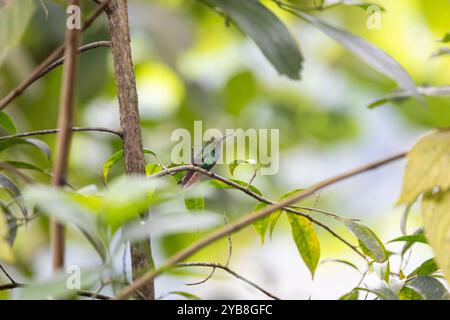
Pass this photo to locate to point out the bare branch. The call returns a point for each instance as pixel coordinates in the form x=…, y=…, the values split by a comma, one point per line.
x=261, y=199
x=51, y=58
x=233, y=273
x=249, y=219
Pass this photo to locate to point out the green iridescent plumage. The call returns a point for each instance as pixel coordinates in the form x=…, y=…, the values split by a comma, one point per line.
x=206, y=159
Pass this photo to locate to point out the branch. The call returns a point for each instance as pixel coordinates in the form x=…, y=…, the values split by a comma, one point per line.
x=247, y=220
x=51, y=58
x=233, y=273
x=264, y=200
x=82, y=293
x=64, y=137
x=53, y=131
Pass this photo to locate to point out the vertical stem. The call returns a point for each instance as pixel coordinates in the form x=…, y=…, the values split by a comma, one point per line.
x=65, y=120
x=117, y=12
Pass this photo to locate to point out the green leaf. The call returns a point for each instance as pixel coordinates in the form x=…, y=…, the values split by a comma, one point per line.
x=348, y=263
x=427, y=166
x=126, y=199
x=233, y=165
x=187, y=295
x=15, y=16
x=25, y=166
x=429, y=288
x=306, y=239
x=381, y=292
x=409, y=294
x=274, y=217
x=436, y=218
x=59, y=205
x=6, y=252
x=152, y=168
x=411, y=238
x=116, y=157
x=7, y=184
x=267, y=31
x=40, y=145
x=261, y=224
x=59, y=287
x=163, y=224
x=369, y=242
x=7, y=123
x=409, y=244
x=401, y=95
x=372, y=55
x=110, y=162
x=353, y=295
x=427, y=268
x=197, y=203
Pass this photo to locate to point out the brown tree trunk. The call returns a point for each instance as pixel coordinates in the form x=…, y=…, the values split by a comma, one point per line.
x=65, y=123
x=129, y=120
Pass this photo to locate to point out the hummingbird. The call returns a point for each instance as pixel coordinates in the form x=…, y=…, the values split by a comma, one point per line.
x=205, y=159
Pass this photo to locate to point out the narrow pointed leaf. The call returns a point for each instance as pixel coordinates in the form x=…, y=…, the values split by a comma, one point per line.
x=429, y=288
x=370, y=244
x=7, y=123
x=261, y=225
x=306, y=239
x=369, y=53
x=267, y=31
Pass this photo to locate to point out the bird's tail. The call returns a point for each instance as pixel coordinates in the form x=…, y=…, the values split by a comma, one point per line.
x=190, y=178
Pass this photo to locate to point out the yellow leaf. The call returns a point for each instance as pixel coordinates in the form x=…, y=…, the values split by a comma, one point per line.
x=436, y=217
x=427, y=167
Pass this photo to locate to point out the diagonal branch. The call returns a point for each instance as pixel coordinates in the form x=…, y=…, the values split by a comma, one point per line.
x=248, y=220
x=227, y=269
x=53, y=131
x=64, y=137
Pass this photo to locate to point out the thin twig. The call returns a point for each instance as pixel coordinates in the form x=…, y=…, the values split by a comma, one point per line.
x=259, y=198
x=82, y=293
x=64, y=136
x=204, y=280
x=248, y=220
x=51, y=58
x=233, y=273
x=86, y=47
x=53, y=131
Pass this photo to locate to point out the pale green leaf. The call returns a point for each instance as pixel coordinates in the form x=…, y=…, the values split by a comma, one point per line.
x=369, y=53
x=369, y=242
x=15, y=17
x=261, y=225
x=436, y=218
x=427, y=268
x=429, y=288
x=7, y=123
x=427, y=166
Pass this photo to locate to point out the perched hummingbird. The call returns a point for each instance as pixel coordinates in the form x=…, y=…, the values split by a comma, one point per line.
x=205, y=159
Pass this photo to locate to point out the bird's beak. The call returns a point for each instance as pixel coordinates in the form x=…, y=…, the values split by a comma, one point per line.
x=224, y=137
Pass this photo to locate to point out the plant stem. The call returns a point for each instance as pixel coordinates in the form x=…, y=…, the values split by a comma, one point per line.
x=65, y=120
